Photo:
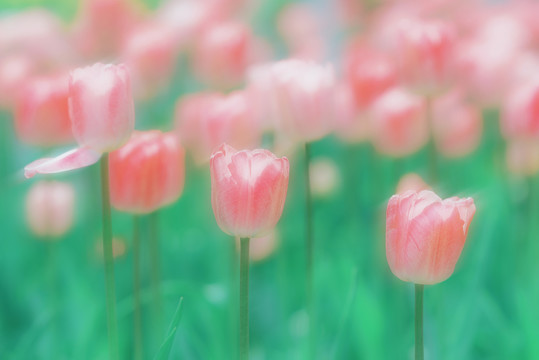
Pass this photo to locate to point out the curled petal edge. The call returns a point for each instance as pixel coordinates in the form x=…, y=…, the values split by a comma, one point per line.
x=71, y=160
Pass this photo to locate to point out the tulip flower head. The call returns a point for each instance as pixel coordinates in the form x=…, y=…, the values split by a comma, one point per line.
x=147, y=173
x=49, y=208
x=102, y=117
x=425, y=235
x=248, y=190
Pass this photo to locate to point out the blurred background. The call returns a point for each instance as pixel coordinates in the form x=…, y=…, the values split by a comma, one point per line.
x=447, y=90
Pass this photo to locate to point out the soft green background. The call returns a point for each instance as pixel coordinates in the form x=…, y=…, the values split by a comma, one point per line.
x=52, y=295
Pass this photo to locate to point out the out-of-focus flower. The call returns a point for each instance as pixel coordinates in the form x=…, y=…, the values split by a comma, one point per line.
x=150, y=53
x=370, y=73
x=522, y=157
x=119, y=248
x=248, y=190
x=14, y=71
x=425, y=52
x=520, y=113
x=102, y=26
x=303, y=94
x=147, y=173
x=102, y=117
x=351, y=124
x=41, y=112
x=206, y=120
x=456, y=126
x=425, y=235
x=411, y=182
x=224, y=53
x=301, y=29
x=324, y=176
x=260, y=248
x=49, y=208
x=399, y=123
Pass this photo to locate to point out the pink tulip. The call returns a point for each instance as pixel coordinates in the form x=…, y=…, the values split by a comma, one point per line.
x=150, y=53
x=399, y=123
x=248, y=190
x=102, y=117
x=425, y=235
x=456, y=126
x=147, y=173
x=351, y=124
x=303, y=93
x=41, y=112
x=14, y=71
x=49, y=208
x=223, y=55
x=520, y=112
x=206, y=120
x=302, y=30
x=411, y=182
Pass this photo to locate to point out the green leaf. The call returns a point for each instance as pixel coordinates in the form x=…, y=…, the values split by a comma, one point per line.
x=164, y=350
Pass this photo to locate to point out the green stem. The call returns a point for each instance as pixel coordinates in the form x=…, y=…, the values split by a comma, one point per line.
x=156, y=270
x=137, y=315
x=419, y=322
x=309, y=247
x=112, y=324
x=244, y=298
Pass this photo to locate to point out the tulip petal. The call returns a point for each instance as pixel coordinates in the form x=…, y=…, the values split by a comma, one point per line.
x=71, y=160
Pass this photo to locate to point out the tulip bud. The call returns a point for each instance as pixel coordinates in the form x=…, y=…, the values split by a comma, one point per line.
x=207, y=120
x=41, y=112
x=248, y=190
x=425, y=235
x=147, y=173
x=411, y=182
x=399, y=123
x=303, y=94
x=49, y=208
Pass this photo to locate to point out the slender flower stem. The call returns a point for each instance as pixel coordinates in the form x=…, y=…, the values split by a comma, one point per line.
x=156, y=270
x=137, y=319
x=309, y=247
x=244, y=298
x=419, y=322
x=109, y=263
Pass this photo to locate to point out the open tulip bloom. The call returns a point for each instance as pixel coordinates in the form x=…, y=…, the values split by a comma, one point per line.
x=102, y=115
x=248, y=194
x=424, y=238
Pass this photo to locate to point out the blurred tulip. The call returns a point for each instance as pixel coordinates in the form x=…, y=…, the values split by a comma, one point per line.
x=150, y=54
x=399, y=123
x=102, y=117
x=411, y=182
x=119, y=248
x=223, y=54
x=350, y=123
x=248, y=190
x=49, y=208
x=206, y=120
x=303, y=93
x=520, y=112
x=324, y=176
x=370, y=73
x=261, y=248
x=522, y=157
x=456, y=126
x=425, y=235
x=147, y=173
x=41, y=112
x=14, y=71
x=302, y=30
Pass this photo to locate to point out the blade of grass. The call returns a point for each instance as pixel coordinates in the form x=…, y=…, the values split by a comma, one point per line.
x=164, y=350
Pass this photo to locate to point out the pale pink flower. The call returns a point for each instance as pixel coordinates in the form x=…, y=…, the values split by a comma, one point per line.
x=425, y=235
x=248, y=190
x=411, y=182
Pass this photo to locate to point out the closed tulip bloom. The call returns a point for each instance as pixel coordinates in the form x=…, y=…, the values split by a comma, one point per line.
x=248, y=190
x=49, y=208
x=207, y=120
x=41, y=112
x=425, y=235
x=147, y=173
x=520, y=112
x=102, y=117
x=399, y=123
x=456, y=125
x=303, y=92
